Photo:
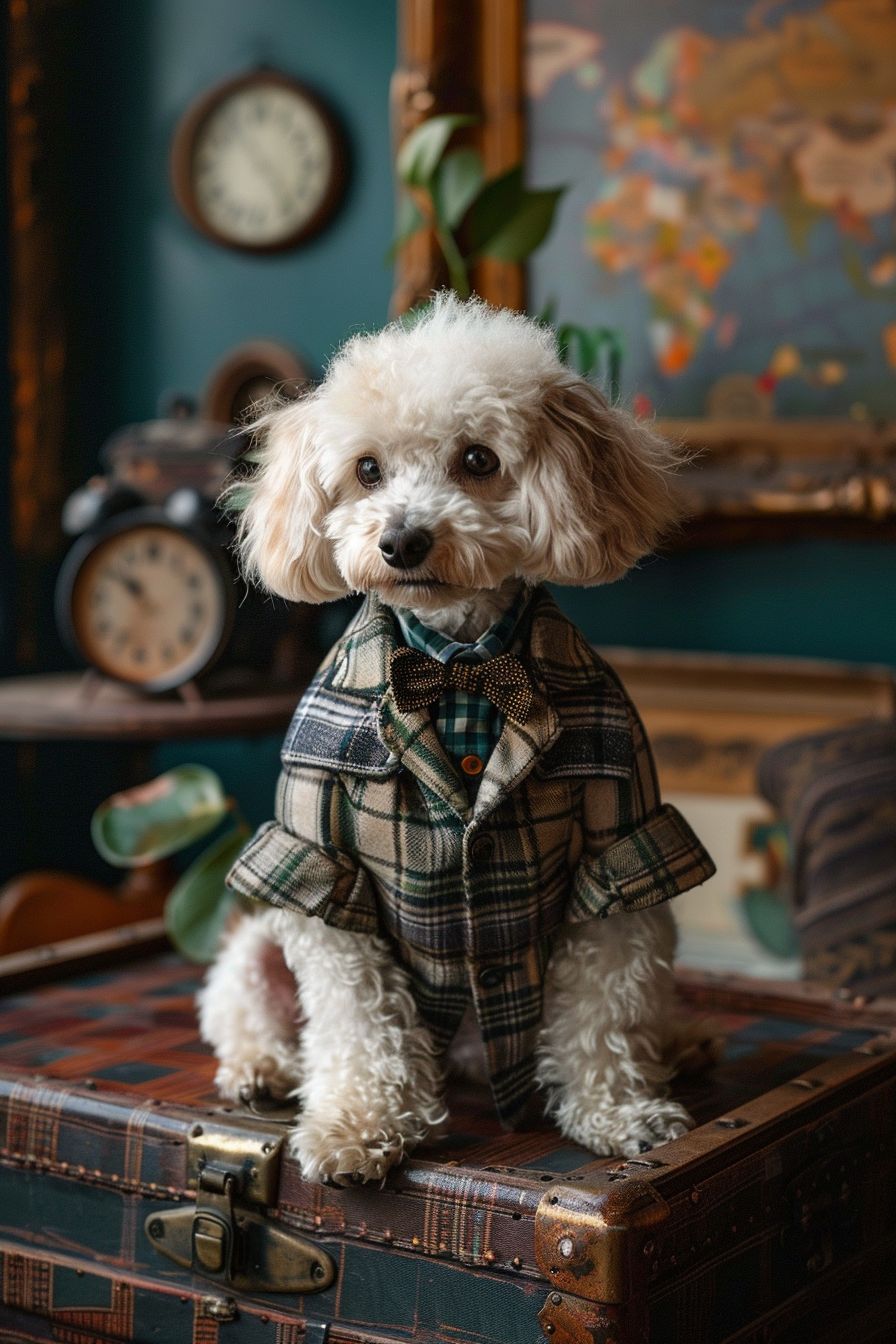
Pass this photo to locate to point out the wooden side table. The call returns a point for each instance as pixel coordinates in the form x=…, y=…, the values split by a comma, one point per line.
x=49, y=906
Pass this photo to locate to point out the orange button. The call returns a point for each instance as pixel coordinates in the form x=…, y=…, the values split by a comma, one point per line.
x=471, y=765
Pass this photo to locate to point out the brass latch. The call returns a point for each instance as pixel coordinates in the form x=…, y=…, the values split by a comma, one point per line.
x=227, y=1235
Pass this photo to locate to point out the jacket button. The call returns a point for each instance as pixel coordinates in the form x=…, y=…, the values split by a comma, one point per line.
x=482, y=848
x=471, y=765
x=491, y=977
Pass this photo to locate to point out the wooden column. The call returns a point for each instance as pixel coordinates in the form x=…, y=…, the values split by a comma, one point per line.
x=460, y=56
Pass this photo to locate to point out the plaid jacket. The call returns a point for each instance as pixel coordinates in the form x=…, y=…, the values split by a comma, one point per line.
x=375, y=831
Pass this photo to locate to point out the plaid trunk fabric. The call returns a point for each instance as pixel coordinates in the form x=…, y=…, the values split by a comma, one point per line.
x=376, y=831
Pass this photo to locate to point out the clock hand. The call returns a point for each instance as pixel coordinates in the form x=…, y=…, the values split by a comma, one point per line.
x=132, y=585
x=136, y=589
x=260, y=160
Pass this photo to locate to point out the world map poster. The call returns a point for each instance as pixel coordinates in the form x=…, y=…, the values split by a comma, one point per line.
x=731, y=182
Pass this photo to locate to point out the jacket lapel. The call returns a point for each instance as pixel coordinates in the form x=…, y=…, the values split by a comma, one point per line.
x=411, y=736
x=515, y=753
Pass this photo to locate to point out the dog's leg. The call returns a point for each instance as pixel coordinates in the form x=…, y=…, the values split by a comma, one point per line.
x=247, y=1012
x=371, y=1086
x=608, y=1002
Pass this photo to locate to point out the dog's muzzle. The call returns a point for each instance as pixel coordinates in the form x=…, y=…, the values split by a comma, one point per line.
x=405, y=547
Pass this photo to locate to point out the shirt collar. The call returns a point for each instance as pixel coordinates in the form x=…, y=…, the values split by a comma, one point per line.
x=495, y=640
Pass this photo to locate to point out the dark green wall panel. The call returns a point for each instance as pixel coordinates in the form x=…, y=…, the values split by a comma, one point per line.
x=806, y=599
x=163, y=303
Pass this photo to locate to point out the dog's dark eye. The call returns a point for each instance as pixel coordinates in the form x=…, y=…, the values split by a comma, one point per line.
x=480, y=461
x=368, y=471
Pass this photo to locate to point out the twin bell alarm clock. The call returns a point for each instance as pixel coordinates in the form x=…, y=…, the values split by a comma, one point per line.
x=149, y=593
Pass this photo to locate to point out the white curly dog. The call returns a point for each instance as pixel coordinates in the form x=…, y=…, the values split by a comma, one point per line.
x=578, y=491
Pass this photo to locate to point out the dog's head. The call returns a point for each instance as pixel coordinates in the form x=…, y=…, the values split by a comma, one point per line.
x=441, y=459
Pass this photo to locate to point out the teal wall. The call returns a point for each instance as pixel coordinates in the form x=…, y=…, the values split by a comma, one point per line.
x=165, y=303
x=808, y=599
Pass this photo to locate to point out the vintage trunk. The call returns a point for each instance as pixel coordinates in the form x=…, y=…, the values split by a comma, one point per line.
x=134, y=1206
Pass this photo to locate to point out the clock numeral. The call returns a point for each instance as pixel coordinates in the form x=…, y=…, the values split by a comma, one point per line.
x=187, y=635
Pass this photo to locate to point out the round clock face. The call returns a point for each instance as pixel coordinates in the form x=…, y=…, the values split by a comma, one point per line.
x=149, y=604
x=257, y=163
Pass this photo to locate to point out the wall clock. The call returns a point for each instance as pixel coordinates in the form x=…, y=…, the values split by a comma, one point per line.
x=248, y=375
x=258, y=162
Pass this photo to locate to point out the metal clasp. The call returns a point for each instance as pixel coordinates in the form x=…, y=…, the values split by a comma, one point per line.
x=227, y=1236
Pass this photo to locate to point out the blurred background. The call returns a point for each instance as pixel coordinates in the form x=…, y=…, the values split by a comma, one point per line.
x=725, y=231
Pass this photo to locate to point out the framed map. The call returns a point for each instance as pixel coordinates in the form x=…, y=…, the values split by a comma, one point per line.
x=732, y=197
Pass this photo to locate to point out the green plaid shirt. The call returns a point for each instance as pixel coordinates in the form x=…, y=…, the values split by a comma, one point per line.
x=375, y=831
x=467, y=725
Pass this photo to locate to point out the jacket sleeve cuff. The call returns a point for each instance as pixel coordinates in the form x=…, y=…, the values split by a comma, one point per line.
x=661, y=859
x=282, y=870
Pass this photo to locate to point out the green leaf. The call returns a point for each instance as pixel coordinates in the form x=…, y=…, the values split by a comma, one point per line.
x=527, y=228
x=199, y=904
x=457, y=183
x=570, y=337
x=236, y=499
x=408, y=220
x=770, y=921
x=499, y=199
x=156, y=819
x=419, y=156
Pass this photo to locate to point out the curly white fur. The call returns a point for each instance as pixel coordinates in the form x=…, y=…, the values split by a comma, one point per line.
x=581, y=493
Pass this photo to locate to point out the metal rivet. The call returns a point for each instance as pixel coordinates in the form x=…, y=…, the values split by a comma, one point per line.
x=695, y=1196
x=517, y=1262
x=566, y=1246
x=196, y=1131
x=556, y=1299
x=318, y=1271
x=157, y=1229
x=267, y=1148
x=549, y=1328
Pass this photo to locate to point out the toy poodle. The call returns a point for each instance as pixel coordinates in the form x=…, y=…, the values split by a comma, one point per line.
x=470, y=859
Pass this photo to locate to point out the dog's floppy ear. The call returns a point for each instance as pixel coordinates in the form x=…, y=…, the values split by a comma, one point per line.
x=280, y=533
x=598, y=493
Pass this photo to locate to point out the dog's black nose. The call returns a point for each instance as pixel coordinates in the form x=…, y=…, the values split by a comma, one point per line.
x=405, y=547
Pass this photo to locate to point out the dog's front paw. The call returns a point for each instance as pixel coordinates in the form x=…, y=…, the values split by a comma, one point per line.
x=246, y=1080
x=348, y=1150
x=629, y=1128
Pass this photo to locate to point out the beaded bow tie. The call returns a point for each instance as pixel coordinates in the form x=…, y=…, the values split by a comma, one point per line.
x=418, y=680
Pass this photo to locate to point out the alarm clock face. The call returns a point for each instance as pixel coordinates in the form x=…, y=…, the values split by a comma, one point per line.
x=147, y=604
x=256, y=166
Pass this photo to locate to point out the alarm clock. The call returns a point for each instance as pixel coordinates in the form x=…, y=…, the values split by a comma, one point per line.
x=258, y=162
x=146, y=600
x=148, y=593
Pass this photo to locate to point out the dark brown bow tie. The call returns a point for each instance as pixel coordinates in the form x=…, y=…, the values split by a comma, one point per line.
x=418, y=680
